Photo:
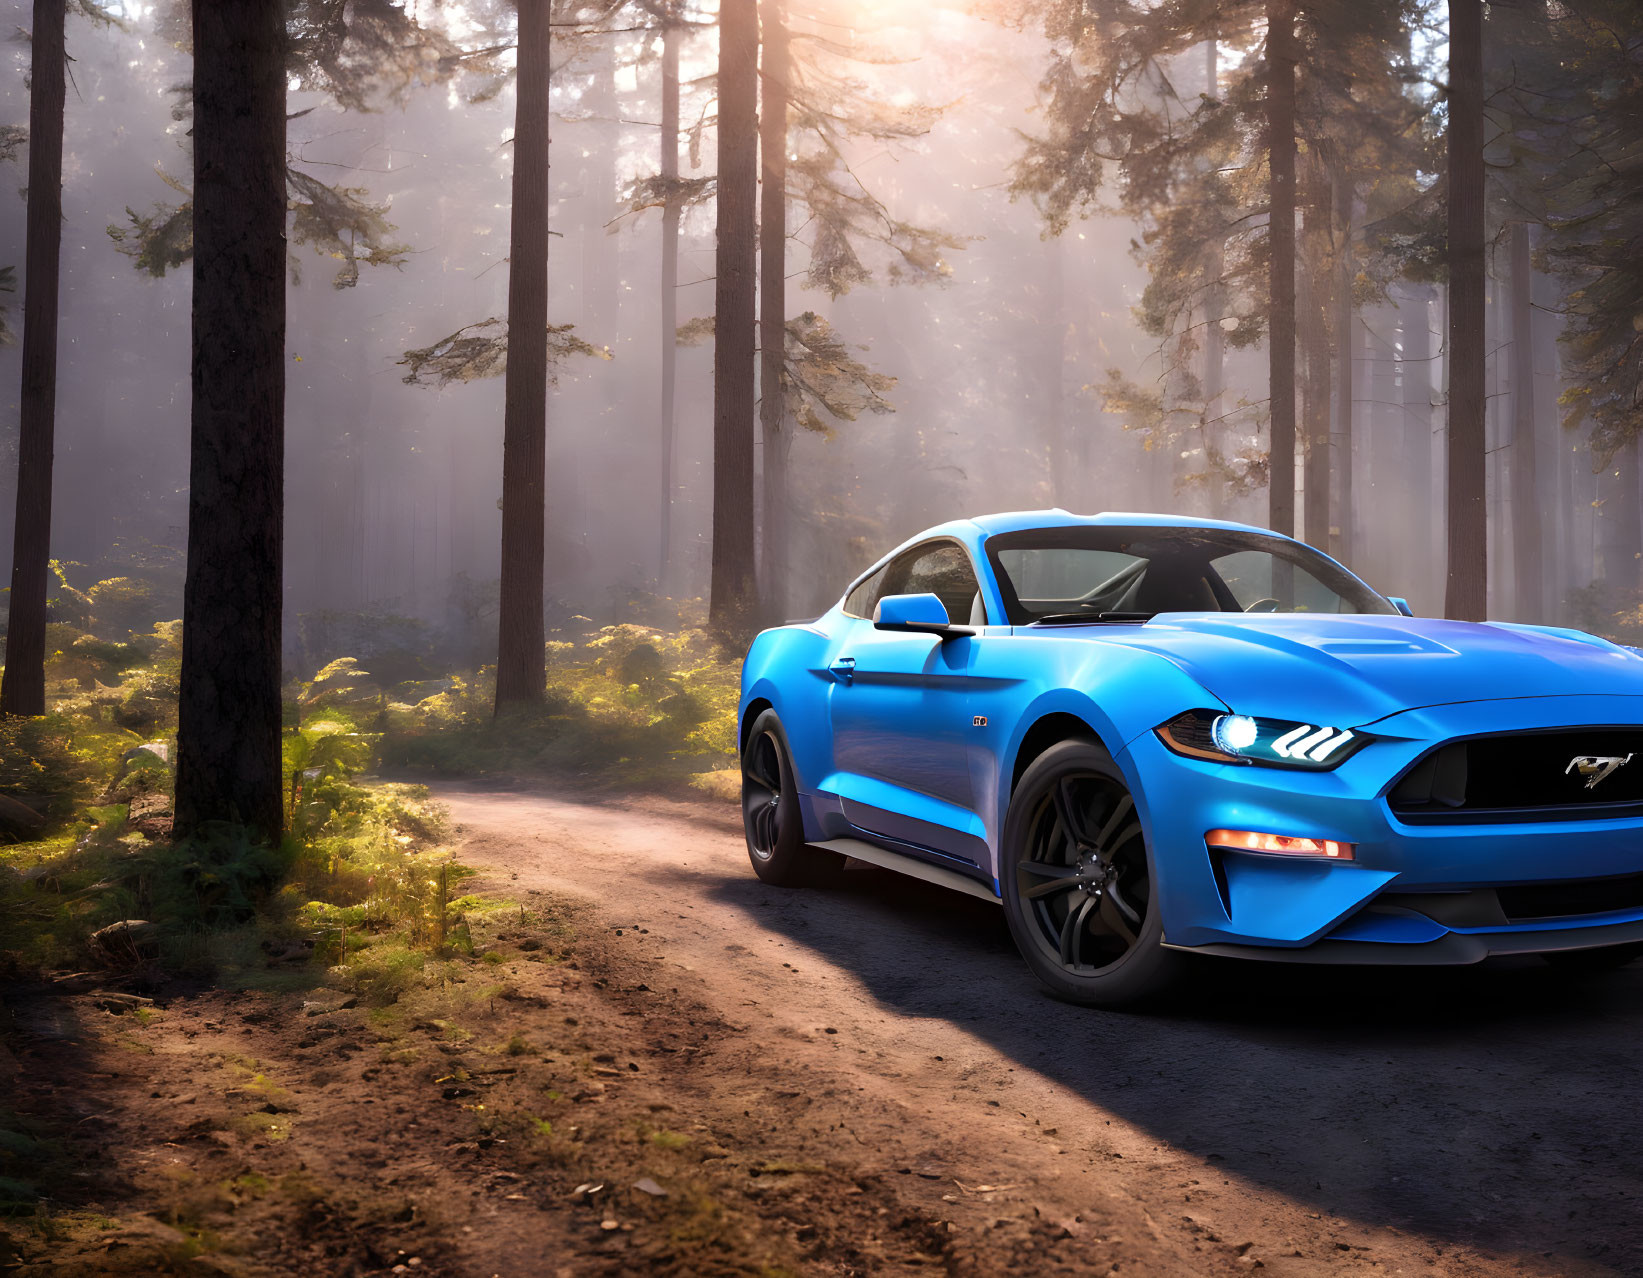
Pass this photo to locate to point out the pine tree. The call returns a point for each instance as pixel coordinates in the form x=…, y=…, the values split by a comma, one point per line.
x=776, y=439
x=521, y=670
x=228, y=735
x=1280, y=123
x=1467, y=594
x=733, y=594
x=672, y=38
x=23, y=685
x=1212, y=177
x=1576, y=95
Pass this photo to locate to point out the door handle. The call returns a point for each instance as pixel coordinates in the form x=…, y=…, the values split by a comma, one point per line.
x=843, y=668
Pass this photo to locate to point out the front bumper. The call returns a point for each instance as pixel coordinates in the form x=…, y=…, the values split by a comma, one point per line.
x=1415, y=893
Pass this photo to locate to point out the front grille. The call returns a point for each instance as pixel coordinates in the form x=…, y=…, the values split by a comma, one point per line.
x=1527, y=776
x=1586, y=896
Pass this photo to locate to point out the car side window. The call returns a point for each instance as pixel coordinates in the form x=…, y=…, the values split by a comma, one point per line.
x=859, y=602
x=941, y=569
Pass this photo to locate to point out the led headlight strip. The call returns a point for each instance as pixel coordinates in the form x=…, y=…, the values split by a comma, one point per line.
x=1242, y=738
x=1305, y=743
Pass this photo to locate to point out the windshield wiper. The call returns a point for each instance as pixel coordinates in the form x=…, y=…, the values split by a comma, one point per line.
x=1090, y=619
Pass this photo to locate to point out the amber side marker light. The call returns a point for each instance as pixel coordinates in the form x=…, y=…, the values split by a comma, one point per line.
x=1279, y=844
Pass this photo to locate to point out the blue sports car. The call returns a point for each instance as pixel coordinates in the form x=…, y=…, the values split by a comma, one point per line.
x=1149, y=736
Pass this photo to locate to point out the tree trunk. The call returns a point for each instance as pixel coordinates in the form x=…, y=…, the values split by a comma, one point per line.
x=1317, y=404
x=1315, y=301
x=1214, y=436
x=775, y=430
x=1529, y=584
x=671, y=35
x=23, y=687
x=1415, y=323
x=228, y=735
x=1280, y=56
x=1340, y=542
x=1467, y=595
x=732, y=596
x=521, y=672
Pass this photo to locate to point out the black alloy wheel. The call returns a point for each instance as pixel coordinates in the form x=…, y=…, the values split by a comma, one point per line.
x=770, y=813
x=1078, y=883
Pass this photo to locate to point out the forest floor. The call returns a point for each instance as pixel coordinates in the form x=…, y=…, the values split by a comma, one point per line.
x=654, y=1064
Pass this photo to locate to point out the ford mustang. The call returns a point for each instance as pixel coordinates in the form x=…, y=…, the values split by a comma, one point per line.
x=1149, y=736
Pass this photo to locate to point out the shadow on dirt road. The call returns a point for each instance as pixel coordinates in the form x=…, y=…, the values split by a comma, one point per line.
x=1493, y=1106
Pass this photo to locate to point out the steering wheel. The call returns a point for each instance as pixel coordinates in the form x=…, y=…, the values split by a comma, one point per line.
x=1263, y=605
x=1120, y=580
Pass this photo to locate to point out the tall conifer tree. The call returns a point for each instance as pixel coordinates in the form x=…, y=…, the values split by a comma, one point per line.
x=23, y=686
x=228, y=734
x=733, y=595
x=1467, y=593
x=521, y=670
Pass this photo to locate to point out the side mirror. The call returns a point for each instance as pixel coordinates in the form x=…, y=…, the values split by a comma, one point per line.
x=920, y=614
x=1401, y=604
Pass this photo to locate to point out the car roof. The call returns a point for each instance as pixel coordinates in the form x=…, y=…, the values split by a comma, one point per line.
x=1020, y=520
x=972, y=532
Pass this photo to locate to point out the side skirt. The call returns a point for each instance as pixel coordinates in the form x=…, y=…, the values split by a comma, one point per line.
x=858, y=850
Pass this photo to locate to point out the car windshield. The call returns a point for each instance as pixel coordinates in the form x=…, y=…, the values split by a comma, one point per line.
x=1130, y=574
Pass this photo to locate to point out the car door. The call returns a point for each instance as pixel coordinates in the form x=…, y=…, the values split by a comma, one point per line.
x=899, y=712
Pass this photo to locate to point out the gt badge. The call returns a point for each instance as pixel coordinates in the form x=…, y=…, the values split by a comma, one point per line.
x=1594, y=767
x=979, y=721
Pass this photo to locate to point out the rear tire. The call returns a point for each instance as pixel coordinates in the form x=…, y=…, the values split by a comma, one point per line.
x=1605, y=958
x=770, y=813
x=1078, y=881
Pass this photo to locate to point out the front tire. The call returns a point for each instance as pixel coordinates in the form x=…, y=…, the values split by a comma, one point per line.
x=770, y=813
x=1078, y=882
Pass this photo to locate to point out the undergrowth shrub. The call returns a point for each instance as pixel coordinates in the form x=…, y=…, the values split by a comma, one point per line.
x=39, y=758
x=624, y=703
x=216, y=878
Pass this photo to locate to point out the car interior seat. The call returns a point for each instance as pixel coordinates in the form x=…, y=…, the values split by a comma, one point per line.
x=1168, y=588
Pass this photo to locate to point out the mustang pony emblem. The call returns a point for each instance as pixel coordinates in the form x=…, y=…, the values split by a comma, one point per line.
x=1594, y=767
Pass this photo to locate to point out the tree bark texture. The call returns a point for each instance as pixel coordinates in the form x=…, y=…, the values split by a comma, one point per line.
x=1315, y=516
x=1315, y=342
x=1214, y=435
x=228, y=735
x=1528, y=572
x=1467, y=595
x=732, y=596
x=671, y=36
x=521, y=672
x=23, y=686
x=1340, y=541
x=1280, y=54
x=1415, y=324
x=775, y=430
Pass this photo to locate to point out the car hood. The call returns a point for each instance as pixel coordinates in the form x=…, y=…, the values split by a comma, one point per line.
x=1354, y=669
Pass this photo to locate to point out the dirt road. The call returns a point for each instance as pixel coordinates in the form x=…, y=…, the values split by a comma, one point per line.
x=1450, y=1122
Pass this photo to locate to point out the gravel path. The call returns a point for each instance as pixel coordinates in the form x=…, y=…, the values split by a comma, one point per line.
x=1435, y=1122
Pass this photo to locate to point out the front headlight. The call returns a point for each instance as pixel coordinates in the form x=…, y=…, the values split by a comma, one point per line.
x=1240, y=738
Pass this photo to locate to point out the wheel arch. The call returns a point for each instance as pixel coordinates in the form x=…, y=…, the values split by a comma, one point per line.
x=1048, y=730
x=755, y=707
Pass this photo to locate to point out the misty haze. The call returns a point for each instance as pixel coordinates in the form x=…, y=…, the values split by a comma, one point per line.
x=412, y=414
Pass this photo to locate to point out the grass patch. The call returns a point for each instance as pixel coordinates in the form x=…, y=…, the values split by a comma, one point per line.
x=625, y=704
